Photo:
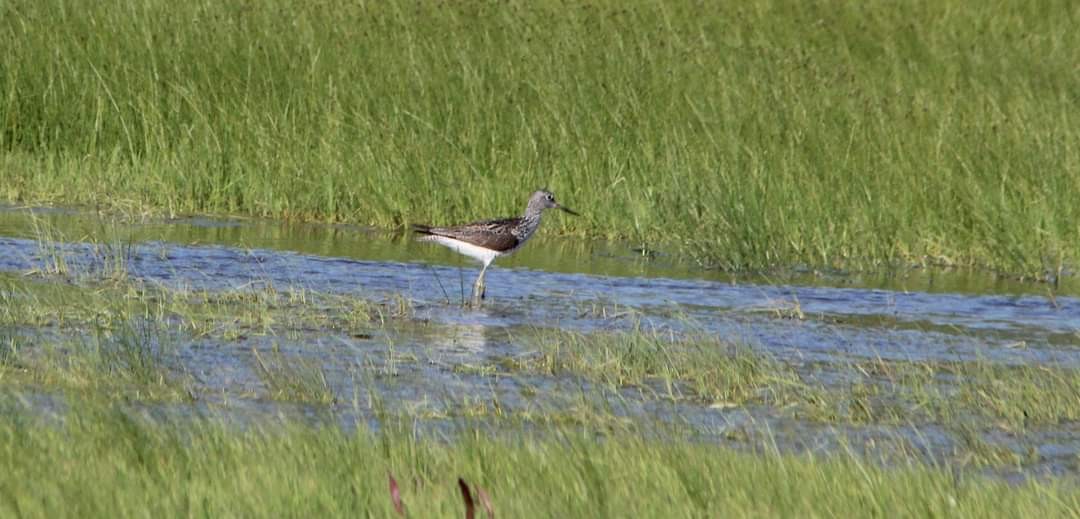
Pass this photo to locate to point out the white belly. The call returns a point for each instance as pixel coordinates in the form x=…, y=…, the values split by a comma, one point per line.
x=485, y=256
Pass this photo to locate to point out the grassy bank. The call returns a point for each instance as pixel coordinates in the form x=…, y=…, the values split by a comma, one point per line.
x=104, y=461
x=748, y=135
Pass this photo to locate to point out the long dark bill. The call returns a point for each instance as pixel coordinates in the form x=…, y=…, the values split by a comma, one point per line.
x=567, y=209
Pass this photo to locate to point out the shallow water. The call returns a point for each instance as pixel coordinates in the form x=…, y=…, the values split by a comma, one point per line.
x=827, y=318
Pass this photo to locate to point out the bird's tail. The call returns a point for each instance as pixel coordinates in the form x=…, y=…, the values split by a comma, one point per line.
x=421, y=229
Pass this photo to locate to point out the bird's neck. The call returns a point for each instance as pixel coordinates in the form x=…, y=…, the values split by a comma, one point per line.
x=531, y=222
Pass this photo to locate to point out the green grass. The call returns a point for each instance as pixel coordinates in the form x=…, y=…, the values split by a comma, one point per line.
x=61, y=337
x=129, y=361
x=226, y=314
x=712, y=371
x=705, y=369
x=748, y=135
x=119, y=336
x=293, y=378
x=588, y=432
x=1007, y=398
x=104, y=461
x=116, y=335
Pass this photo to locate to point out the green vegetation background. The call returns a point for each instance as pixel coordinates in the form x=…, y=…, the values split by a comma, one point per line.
x=745, y=134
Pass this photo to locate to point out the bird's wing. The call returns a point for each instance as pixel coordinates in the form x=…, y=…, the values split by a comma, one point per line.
x=490, y=234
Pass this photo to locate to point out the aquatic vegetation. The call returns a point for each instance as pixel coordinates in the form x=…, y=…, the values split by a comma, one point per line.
x=230, y=314
x=103, y=259
x=121, y=336
x=785, y=133
x=703, y=368
x=1019, y=395
x=723, y=374
x=259, y=342
x=105, y=460
x=896, y=392
x=60, y=335
x=293, y=378
x=124, y=361
x=136, y=353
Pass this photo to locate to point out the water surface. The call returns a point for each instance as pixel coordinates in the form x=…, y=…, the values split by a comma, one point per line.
x=800, y=317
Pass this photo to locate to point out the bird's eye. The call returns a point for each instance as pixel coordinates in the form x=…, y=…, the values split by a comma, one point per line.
x=550, y=197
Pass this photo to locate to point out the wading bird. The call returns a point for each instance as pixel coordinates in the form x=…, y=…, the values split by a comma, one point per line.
x=486, y=240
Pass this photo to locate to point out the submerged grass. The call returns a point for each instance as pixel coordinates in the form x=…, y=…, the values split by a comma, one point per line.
x=128, y=361
x=112, y=350
x=117, y=335
x=228, y=314
x=746, y=134
x=113, y=336
x=1011, y=398
x=672, y=367
x=94, y=260
x=293, y=378
x=102, y=460
x=120, y=336
x=710, y=370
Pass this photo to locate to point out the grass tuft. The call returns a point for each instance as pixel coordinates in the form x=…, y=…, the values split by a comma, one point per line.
x=293, y=378
x=705, y=368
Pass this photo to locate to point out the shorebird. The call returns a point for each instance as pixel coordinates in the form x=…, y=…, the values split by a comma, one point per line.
x=488, y=239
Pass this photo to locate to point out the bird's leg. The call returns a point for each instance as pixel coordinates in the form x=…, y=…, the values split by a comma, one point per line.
x=478, y=288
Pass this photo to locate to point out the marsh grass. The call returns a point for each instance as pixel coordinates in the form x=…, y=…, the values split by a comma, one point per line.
x=595, y=408
x=121, y=336
x=1020, y=395
x=747, y=135
x=709, y=370
x=665, y=365
x=9, y=349
x=231, y=314
x=1013, y=398
x=138, y=353
x=103, y=460
x=53, y=259
x=973, y=449
x=127, y=361
x=95, y=260
x=116, y=339
x=293, y=378
x=61, y=335
x=126, y=327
